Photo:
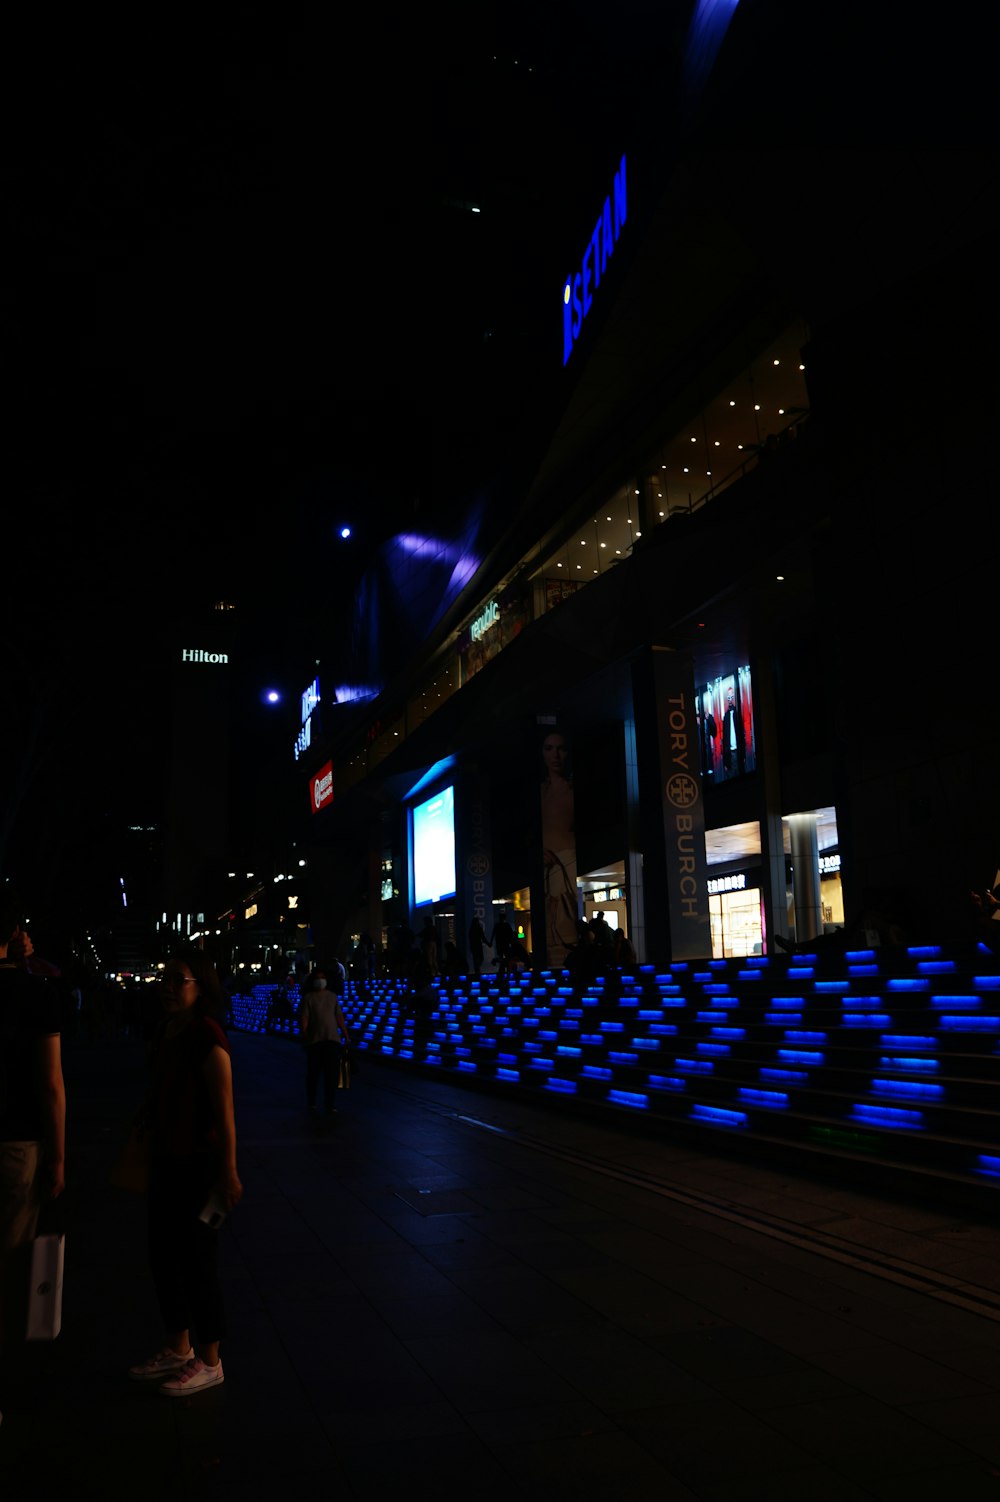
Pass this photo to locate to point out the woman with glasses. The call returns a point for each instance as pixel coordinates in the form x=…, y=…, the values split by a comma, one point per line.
x=193, y=1178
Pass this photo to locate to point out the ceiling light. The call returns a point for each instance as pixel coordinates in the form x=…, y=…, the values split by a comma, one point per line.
x=775, y=362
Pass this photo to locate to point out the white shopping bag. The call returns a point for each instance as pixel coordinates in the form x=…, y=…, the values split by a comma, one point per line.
x=46, y=1286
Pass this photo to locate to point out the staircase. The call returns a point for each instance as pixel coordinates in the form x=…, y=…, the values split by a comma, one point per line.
x=885, y=1059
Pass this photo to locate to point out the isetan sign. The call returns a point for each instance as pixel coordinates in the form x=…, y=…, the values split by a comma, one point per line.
x=321, y=787
x=578, y=293
x=310, y=701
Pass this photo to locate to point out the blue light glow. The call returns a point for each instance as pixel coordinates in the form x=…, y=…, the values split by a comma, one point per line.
x=889, y=1116
x=911, y=1088
x=717, y=1116
x=773, y=1098
x=629, y=1098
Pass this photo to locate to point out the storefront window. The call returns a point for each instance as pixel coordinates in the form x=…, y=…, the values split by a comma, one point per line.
x=737, y=923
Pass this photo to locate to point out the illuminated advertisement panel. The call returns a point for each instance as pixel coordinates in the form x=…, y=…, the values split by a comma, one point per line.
x=434, y=848
x=321, y=787
x=725, y=725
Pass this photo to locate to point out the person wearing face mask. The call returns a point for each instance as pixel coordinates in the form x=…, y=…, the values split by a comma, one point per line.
x=321, y=1027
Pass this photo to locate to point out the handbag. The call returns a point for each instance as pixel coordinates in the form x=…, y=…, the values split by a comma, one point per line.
x=131, y=1168
x=45, y=1288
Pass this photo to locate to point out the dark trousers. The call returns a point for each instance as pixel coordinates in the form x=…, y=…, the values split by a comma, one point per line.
x=183, y=1250
x=322, y=1063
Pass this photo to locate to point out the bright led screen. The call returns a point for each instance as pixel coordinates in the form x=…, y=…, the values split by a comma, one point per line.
x=434, y=847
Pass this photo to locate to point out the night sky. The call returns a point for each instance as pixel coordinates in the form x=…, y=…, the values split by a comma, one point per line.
x=247, y=301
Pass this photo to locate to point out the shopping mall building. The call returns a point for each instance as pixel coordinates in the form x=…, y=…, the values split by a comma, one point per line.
x=712, y=651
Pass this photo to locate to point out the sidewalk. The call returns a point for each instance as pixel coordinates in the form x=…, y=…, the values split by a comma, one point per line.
x=444, y=1290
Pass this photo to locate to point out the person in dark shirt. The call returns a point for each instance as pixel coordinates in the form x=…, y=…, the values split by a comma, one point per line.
x=32, y=1119
x=193, y=1178
x=502, y=940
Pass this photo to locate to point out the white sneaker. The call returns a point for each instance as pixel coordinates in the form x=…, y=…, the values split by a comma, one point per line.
x=160, y=1365
x=192, y=1378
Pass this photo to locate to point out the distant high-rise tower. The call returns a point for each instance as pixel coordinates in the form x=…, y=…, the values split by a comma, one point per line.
x=198, y=774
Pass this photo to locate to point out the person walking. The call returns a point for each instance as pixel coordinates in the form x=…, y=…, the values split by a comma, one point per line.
x=321, y=1027
x=502, y=939
x=32, y=1122
x=624, y=952
x=193, y=1176
x=429, y=945
x=477, y=945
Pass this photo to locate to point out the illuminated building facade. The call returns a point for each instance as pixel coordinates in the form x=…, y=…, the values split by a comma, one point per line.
x=689, y=656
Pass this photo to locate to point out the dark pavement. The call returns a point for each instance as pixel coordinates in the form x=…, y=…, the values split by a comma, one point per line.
x=439, y=1290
